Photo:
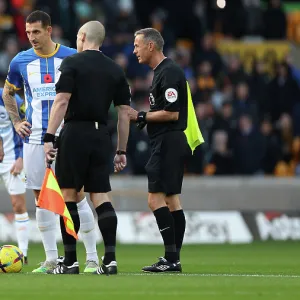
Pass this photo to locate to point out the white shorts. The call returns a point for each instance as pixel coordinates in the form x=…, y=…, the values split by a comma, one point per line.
x=34, y=165
x=15, y=185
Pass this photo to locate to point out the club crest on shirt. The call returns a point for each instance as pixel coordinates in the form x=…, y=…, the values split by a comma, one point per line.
x=151, y=99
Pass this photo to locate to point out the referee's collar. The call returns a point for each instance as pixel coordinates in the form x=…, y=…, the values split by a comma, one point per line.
x=159, y=63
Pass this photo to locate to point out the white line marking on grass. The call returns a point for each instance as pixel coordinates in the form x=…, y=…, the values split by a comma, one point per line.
x=214, y=275
x=190, y=275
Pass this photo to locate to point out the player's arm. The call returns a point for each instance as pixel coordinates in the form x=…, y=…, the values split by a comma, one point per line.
x=10, y=102
x=13, y=83
x=11, y=106
x=169, y=89
x=122, y=103
x=64, y=88
x=1, y=149
x=123, y=126
x=162, y=116
x=57, y=114
x=58, y=111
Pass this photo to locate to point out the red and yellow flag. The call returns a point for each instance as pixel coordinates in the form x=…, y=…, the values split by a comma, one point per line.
x=52, y=199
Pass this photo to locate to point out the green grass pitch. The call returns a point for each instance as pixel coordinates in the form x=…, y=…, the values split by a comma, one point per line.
x=269, y=270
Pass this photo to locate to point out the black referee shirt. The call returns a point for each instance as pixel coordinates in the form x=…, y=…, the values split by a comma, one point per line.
x=95, y=81
x=168, y=92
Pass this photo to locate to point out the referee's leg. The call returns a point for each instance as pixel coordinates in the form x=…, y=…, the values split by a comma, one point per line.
x=157, y=203
x=174, y=205
x=107, y=222
x=69, y=265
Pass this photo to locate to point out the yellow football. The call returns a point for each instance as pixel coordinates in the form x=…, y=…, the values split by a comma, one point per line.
x=11, y=259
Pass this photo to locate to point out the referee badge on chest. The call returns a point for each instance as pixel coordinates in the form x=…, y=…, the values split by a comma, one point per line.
x=151, y=99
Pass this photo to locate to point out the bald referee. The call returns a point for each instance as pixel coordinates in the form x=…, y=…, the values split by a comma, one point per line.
x=88, y=84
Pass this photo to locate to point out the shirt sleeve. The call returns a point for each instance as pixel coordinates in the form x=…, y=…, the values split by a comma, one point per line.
x=66, y=81
x=14, y=77
x=122, y=94
x=170, y=88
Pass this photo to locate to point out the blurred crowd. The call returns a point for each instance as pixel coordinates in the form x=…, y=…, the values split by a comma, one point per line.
x=250, y=119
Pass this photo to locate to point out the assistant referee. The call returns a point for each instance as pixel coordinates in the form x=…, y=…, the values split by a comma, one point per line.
x=88, y=84
x=167, y=120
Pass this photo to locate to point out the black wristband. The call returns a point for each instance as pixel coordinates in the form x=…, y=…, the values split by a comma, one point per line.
x=49, y=138
x=120, y=152
x=141, y=117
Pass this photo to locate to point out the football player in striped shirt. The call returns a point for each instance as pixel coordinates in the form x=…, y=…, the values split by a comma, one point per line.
x=36, y=71
x=11, y=172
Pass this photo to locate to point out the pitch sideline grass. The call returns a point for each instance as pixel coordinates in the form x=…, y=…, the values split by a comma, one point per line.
x=256, y=271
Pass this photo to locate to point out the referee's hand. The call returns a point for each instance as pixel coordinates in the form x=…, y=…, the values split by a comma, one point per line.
x=120, y=162
x=50, y=152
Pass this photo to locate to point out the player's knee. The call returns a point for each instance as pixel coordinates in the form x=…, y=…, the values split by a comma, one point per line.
x=46, y=220
x=156, y=200
x=173, y=202
x=46, y=226
x=87, y=226
x=18, y=204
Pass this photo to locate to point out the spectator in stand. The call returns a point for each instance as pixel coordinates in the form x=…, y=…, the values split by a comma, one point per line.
x=209, y=53
x=6, y=18
x=235, y=70
x=243, y=104
x=258, y=87
x=225, y=121
x=283, y=92
x=249, y=149
x=275, y=23
x=206, y=83
x=284, y=128
x=235, y=19
x=11, y=49
x=272, y=143
x=57, y=36
x=254, y=14
x=221, y=161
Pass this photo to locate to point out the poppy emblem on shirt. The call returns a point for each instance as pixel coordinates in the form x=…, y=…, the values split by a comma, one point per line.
x=47, y=78
x=171, y=95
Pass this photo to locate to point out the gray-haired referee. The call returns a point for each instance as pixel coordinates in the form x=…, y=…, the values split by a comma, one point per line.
x=88, y=84
x=166, y=122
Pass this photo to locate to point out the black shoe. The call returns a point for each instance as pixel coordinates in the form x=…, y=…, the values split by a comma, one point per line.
x=61, y=268
x=102, y=270
x=25, y=260
x=179, y=266
x=163, y=266
x=112, y=267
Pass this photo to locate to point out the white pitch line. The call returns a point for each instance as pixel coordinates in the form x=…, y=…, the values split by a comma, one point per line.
x=194, y=275
x=214, y=275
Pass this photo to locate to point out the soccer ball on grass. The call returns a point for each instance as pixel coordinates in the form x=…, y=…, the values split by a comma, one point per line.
x=11, y=259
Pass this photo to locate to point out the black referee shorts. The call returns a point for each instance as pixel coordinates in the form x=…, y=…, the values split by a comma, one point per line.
x=165, y=167
x=84, y=157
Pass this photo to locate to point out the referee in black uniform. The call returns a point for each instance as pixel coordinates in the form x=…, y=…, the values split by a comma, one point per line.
x=88, y=84
x=167, y=120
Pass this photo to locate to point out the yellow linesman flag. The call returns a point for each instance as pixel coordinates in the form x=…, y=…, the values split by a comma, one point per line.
x=52, y=199
x=192, y=132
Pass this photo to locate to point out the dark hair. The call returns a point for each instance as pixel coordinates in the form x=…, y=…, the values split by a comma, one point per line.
x=151, y=34
x=39, y=16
